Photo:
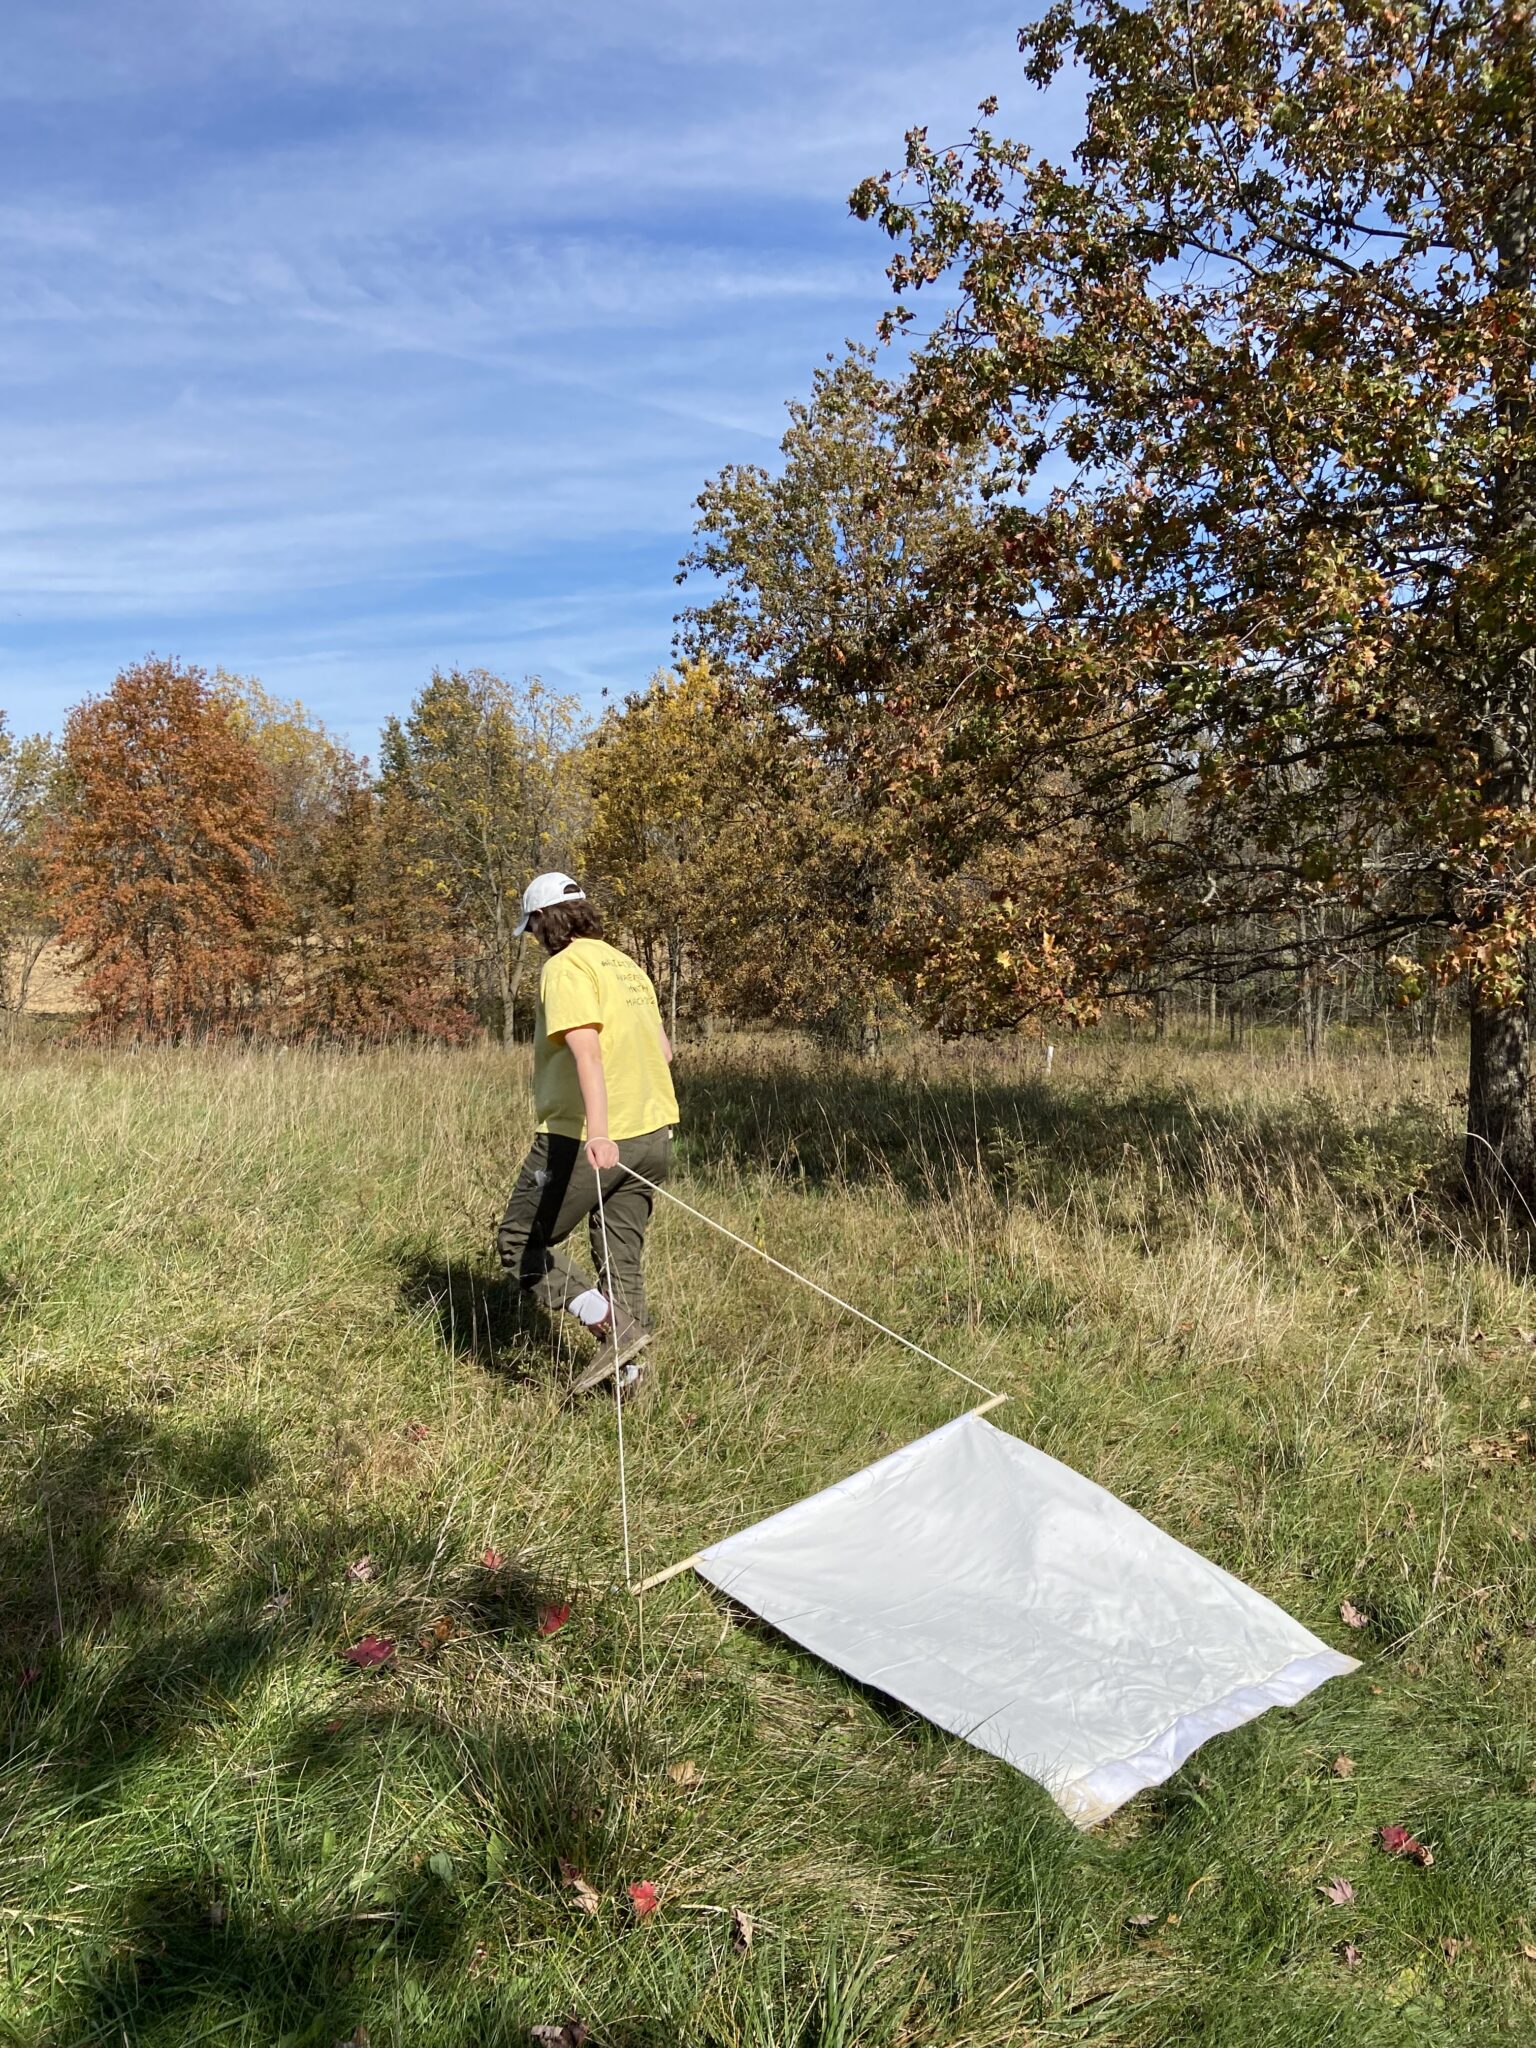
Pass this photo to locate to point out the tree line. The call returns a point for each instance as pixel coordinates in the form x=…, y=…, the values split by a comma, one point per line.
x=1162, y=627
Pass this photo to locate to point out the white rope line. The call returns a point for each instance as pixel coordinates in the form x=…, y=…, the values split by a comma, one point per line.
x=618, y=1390
x=804, y=1279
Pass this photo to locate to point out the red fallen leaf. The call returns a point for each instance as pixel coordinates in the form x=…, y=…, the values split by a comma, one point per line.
x=492, y=1559
x=370, y=1651
x=642, y=1897
x=1348, y=1955
x=552, y=1618
x=1398, y=1842
x=1338, y=1891
x=417, y=1432
x=1351, y=1616
x=361, y=1570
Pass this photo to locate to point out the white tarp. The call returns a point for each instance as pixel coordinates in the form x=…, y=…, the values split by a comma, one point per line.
x=1020, y=1606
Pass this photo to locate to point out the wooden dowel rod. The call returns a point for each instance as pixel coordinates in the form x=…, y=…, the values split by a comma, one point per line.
x=986, y=1407
x=673, y=1571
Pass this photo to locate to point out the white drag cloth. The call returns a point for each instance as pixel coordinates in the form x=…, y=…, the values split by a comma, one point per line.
x=1020, y=1606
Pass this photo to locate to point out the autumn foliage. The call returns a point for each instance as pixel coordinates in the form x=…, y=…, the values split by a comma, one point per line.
x=156, y=862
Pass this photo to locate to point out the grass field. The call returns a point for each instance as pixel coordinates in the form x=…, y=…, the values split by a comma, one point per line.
x=251, y=1336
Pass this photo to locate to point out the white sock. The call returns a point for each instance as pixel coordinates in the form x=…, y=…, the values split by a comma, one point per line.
x=591, y=1307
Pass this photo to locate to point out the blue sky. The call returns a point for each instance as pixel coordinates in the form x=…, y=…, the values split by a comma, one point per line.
x=344, y=339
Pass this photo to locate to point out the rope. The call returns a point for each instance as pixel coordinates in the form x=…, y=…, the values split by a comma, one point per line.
x=804, y=1279
x=618, y=1389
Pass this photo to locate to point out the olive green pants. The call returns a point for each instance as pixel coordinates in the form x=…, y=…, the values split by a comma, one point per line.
x=556, y=1190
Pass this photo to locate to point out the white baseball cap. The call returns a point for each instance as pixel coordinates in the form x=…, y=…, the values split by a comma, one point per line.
x=546, y=890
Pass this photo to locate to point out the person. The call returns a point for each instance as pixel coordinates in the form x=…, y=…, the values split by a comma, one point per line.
x=603, y=1102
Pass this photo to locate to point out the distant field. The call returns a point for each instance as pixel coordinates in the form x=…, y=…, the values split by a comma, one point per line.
x=250, y=1336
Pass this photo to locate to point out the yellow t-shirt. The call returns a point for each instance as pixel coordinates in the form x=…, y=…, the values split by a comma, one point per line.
x=591, y=982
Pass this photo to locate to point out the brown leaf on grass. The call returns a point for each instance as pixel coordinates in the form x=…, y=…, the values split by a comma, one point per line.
x=1338, y=1891
x=561, y=2034
x=1503, y=1450
x=434, y=1635
x=1398, y=1842
x=684, y=1773
x=370, y=1651
x=1348, y=1955
x=1528, y=1950
x=1343, y=1766
x=1351, y=1616
x=741, y=1930
x=1451, y=1946
x=583, y=1895
x=361, y=1570
x=1140, y=1922
x=416, y=1432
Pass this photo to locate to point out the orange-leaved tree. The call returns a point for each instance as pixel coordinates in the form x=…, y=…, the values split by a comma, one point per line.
x=155, y=860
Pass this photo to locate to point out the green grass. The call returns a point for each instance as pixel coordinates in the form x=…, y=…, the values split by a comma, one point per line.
x=1234, y=1293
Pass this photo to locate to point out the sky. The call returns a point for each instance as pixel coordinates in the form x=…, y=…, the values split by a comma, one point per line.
x=343, y=339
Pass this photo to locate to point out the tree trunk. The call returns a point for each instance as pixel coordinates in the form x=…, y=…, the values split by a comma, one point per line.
x=1500, y=1158
x=503, y=973
x=674, y=970
x=509, y=1035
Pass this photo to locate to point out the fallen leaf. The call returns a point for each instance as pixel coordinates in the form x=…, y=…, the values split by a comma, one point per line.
x=492, y=1559
x=1528, y=1950
x=1343, y=1766
x=1351, y=1616
x=642, y=1897
x=278, y=1604
x=552, y=1618
x=1398, y=1842
x=361, y=1570
x=434, y=1635
x=1338, y=1891
x=1142, y=1921
x=1451, y=1946
x=684, y=1773
x=440, y=1863
x=561, y=2034
x=29, y=1676
x=1526, y=1336
x=370, y=1651
x=358, y=2038
x=583, y=1896
x=218, y=1913
x=417, y=1432
x=1348, y=1955
x=741, y=1929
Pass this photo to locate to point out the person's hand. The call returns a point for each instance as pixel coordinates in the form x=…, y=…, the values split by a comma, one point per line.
x=602, y=1154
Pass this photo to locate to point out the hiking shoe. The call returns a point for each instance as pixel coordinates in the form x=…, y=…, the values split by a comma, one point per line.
x=623, y=1339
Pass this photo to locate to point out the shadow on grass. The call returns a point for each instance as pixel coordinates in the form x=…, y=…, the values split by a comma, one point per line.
x=483, y=1318
x=841, y=1122
x=114, y=1671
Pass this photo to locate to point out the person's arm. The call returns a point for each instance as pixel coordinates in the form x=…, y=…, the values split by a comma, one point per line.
x=666, y=1045
x=585, y=1044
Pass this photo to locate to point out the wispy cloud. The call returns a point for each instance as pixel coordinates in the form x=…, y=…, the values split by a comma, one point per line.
x=341, y=339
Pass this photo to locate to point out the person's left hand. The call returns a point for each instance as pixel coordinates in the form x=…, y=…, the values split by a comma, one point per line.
x=602, y=1154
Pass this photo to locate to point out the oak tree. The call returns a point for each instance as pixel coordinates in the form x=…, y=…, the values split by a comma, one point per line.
x=155, y=860
x=1253, y=376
